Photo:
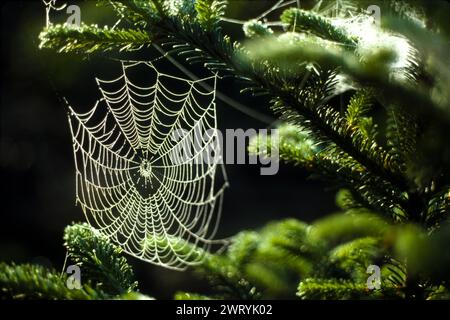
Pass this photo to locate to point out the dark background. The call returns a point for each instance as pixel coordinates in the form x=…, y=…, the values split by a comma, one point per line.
x=36, y=160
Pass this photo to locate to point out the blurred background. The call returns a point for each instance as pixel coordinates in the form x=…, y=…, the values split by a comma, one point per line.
x=36, y=159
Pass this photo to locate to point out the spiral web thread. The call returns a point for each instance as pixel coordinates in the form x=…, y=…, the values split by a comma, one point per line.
x=130, y=186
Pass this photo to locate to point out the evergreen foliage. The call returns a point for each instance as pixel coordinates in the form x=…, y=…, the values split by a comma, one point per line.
x=93, y=38
x=27, y=281
x=101, y=261
x=362, y=106
x=105, y=273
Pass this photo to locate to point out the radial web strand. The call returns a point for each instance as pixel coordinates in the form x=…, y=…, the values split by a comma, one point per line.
x=131, y=181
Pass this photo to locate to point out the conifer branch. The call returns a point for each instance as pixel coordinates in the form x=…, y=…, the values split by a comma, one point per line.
x=335, y=289
x=90, y=39
x=298, y=20
x=99, y=260
x=31, y=282
x=329, y=162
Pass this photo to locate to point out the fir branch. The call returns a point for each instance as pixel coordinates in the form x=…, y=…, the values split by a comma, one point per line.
x=158, y=6
x=438, y=207
x=281, y=257
x=439, y=293
x=333, y=289
x=266, y=263
x=340, y=228
x=328, y=124
x=272, y=277
x=346, y=200
x=293, y=145
x=356, y=255
x=91, y=38
x=100, y=261
x=25, y=282
x=329, y=162
x=298, y=20
x=426, y=255
x=394, y=275
x=337, y=251
x=227, y=279
x=325, y=122
x=360, y=104
x=243, y=247
x=221, y=272
x=401, y=133
x=209, y=12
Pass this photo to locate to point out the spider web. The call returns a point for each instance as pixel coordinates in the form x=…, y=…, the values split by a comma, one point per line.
x=157, y=207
